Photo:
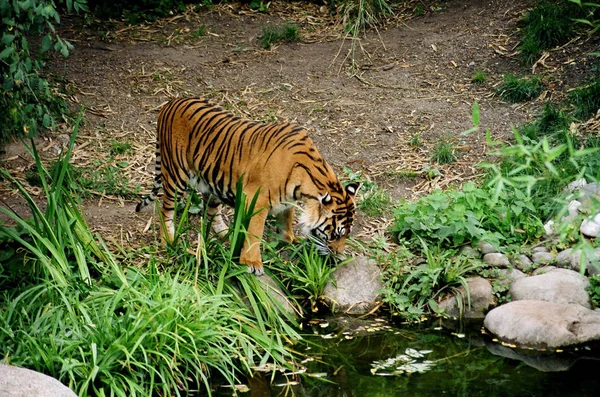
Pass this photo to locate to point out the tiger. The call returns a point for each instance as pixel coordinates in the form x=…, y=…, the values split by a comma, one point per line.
x=205, y=147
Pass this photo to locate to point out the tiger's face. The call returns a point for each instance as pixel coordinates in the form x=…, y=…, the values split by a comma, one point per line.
x=328, y=220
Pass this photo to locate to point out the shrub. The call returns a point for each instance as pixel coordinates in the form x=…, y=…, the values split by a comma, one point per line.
x=548, y=24
x=138, y=10
x=27, y=99
x=586, y=99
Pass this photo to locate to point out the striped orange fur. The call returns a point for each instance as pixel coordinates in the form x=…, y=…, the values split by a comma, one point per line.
x=202, y=145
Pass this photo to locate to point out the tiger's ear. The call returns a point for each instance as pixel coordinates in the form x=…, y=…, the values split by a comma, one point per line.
x=326, y=199
x=352, y=188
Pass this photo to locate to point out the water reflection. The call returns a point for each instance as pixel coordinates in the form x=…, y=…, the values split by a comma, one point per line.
x=348, y=351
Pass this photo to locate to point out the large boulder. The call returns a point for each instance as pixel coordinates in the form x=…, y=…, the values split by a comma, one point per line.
x=22, y=382
x=541, y=324
x=558, y=286
x=357, y=288
x=481, y=296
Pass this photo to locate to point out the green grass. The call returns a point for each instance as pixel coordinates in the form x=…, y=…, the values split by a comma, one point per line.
x=73, y=311
x=514, y=89
x=201, y=31
x=373, y=200
x=479, y=77
x=120, y=148
x=547, y=25
x=444, y=153
x=271, y=35
x=586, y=99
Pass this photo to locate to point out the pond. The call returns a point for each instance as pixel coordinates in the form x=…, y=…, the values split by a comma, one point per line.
x=374, y=359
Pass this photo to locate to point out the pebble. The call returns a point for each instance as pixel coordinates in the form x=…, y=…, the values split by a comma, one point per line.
x=496, y=259
x=591, y=226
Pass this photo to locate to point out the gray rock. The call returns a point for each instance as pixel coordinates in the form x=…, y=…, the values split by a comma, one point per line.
x=539, y=249
x=542, y=258
x=507, y=276
x=563, y=258
x=469, y=251
x=271, y=287
x=574, y=209
x=523, y=263
x=357, y=288
x=543, y=270
x=549, y=228
x=577, y=184
x=21, y=382
x=540, y=324
x=557, y=286
x=486, y=248
x=591, y=227
x=481, y=297
x=589, y=196
x=496, y=259
x=590, y=261
x=512, y=274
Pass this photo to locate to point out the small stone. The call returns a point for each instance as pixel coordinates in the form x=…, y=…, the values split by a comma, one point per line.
x=496, y=259
x=540, y=249
x=591, y=263
x=486, y=248
x=590, y=196
x=542, y=258
x=576, y=184
x=591, y=226
x=549, y=228
x=563, y=258
x=523, y=263
x=469, y=251
x=574, y=209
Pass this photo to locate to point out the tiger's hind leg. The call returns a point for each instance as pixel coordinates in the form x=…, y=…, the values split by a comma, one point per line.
x=171, y=190
x=214, y=212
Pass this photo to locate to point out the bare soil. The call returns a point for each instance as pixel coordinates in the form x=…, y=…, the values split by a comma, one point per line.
x=411, y=82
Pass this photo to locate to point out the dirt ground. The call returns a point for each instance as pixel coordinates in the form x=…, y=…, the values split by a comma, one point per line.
x=411, y=82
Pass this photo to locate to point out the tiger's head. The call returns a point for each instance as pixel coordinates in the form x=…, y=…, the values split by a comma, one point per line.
x=327, y=220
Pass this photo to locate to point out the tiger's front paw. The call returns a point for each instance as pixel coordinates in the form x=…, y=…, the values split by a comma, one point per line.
x=255, y=267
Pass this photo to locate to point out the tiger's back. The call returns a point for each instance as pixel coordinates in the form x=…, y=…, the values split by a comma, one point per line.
x=200, y=144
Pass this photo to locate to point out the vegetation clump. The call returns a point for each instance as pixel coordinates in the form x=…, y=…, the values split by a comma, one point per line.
x=271, y=35
x=515, y=89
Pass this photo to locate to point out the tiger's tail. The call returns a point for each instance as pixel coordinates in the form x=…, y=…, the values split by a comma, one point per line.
x=156, y=186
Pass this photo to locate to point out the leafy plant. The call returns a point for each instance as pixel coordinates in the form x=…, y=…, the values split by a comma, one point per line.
x=373, y=200
x=514, y=89
x=413, y=290
x=29, y=101
x=594, y=290
x=306, y=272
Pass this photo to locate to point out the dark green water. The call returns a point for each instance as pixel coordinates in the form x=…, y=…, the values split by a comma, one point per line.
x=344, y=354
